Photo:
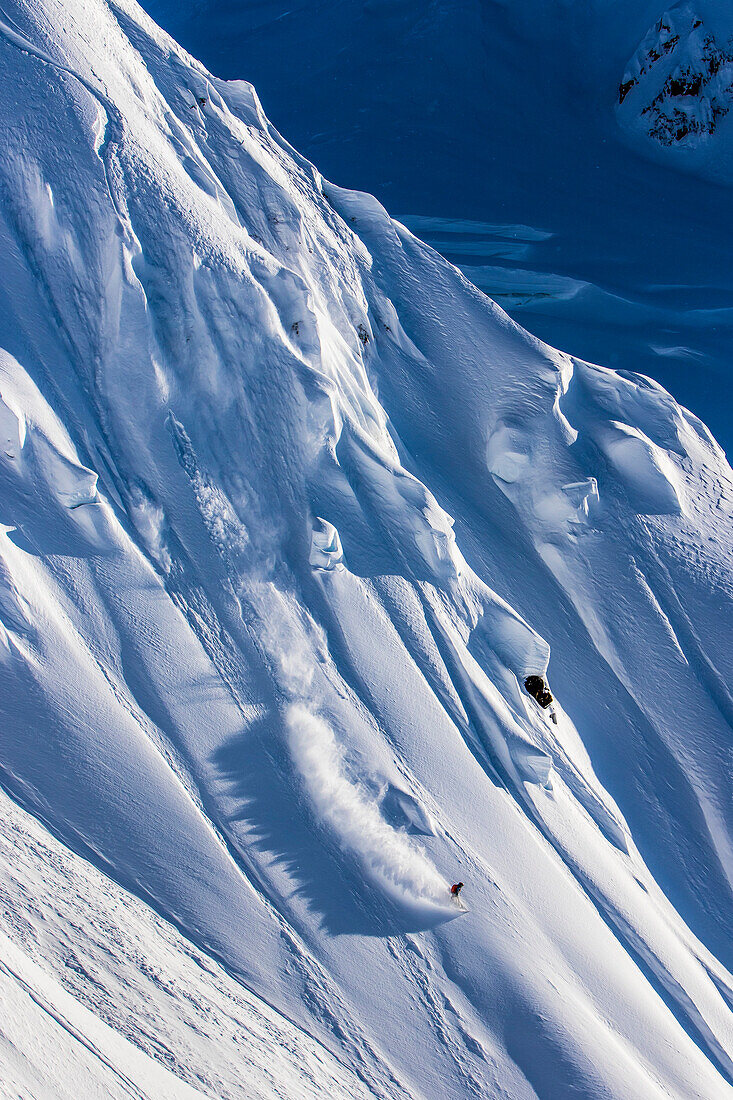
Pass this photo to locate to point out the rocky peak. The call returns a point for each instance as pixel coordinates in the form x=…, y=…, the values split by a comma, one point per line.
x=679, y=82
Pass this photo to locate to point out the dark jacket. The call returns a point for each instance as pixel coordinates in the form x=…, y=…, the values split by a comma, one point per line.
x=538, y=689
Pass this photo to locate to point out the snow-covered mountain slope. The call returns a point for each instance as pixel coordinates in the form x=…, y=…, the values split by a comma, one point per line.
x=103, y=998
x=262, y=694
x=492, y=122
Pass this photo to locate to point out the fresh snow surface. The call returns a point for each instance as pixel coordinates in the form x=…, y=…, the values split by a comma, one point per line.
x=290, y=509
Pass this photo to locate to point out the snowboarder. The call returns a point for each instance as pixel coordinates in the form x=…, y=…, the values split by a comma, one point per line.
x=538, y=689
x=456, y=889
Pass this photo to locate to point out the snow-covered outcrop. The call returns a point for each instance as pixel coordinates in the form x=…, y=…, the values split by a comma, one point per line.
x=289, y=512
x=678, y=86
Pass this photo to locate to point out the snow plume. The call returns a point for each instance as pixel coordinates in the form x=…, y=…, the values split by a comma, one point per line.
x=297, y=648
x=387, y=856
x=225, y=529
x=150, y=522
x=294, y=643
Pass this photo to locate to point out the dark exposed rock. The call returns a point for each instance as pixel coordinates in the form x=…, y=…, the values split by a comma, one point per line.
x=625, y=87
x=687, y=84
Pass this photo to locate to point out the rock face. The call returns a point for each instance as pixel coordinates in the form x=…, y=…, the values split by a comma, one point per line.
x=679, y=83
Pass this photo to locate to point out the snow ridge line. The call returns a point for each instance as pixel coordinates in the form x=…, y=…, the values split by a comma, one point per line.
x=114, y=129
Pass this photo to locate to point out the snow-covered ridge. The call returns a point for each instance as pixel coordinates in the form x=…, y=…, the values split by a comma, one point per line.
x=290, y=511
x=678, y=86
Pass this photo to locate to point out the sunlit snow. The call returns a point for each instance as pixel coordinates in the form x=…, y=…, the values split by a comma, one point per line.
x=290, y=510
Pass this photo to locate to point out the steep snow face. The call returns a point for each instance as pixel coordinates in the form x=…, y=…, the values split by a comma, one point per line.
x=678, y=88
x=490, y=128
x=290, y=511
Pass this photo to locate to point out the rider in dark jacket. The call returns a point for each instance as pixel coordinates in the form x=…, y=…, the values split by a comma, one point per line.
x=538, y=689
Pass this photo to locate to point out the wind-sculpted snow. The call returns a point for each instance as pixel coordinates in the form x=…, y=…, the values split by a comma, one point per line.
x=290, y=510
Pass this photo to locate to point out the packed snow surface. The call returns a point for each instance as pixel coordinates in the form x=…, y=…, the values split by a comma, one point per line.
x=290, y=510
